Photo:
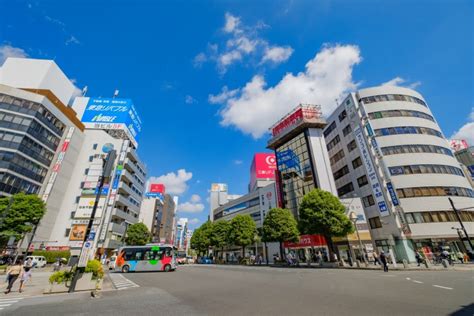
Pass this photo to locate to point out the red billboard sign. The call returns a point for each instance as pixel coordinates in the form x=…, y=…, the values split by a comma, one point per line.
x=307, y=241
x=263, y=167
x=157, y=188
x=307, y=112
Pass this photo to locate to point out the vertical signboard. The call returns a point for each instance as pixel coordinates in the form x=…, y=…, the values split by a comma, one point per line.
x=371, y=172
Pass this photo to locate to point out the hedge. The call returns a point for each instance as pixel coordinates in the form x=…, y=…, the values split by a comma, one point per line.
x=52, y=255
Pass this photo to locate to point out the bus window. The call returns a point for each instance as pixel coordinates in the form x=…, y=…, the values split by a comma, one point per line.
x=168, y=251
x=129, y=254
x=138, y=254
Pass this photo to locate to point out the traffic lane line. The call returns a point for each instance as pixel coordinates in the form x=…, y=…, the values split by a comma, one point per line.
x=443, y=287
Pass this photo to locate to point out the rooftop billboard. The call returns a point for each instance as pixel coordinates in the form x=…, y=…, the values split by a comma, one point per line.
x=156, y=190
x=107, y=113
x=263, y=167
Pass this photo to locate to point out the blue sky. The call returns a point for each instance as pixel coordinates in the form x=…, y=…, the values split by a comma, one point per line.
x=208, y=77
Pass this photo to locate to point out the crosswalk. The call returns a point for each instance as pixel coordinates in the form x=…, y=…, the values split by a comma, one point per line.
x=8, y=301
x=120, y=282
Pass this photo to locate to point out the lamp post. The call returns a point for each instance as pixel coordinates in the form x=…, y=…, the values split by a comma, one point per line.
x=353, y=218
x=463, y=246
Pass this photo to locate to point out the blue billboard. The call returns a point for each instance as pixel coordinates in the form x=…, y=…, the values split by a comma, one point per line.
x=110, y=113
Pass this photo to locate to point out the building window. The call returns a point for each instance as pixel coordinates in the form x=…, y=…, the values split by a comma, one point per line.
x=368, y=200
x=77, y=199
x=341, y=172
x=399, y=130
x=338, y=156
x=375, y=222
x=329, y=129
x=347, y=130
x=91, y=158
x=352, y=145
x=361, y=181
x=425, y=169
x=342, y=115
x=356, y=163
x=347, y=188
x=392, y=97
x=86, y=171
x=434, y=191
x=94, y=147
x=67, y=232
x=333, y=142
x=409, y=149
x=400, y=113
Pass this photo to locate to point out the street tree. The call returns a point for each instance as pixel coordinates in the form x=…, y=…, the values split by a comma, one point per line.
x=279, y=226
x=323, y=213
x=200, y=240
x=242, y=231
x=18, y=215
x=138, y=235
x=219, y=236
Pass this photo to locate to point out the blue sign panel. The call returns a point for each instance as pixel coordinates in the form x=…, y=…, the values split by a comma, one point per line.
x=382, y=207
x=393, y=194
x=154, y=195
x=112, y=114
x=288, y=159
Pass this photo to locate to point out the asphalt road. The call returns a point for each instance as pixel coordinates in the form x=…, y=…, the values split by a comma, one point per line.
x=236, y=290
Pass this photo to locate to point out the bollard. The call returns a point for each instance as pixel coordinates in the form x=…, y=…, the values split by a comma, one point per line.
x=445, y=263
x=358, y=263
x=342, y=263
x=426, y=263
x=405, y=264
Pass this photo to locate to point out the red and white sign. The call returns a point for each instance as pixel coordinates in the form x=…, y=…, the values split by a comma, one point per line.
x=263, y=167
x=157, y=188
x=458, y=144
x=307, y=241
x=301, y=112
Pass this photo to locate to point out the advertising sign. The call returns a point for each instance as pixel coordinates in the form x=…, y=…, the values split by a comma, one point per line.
x=86, y=254
x=369, y=166
x=78, y=232
x=288, y=159
x=263, y=167
x=106, y=113
x=458, y=144
x=393, y=194
x=157, y=188
x=85, y=206
x=301, y=112
x=307, y=241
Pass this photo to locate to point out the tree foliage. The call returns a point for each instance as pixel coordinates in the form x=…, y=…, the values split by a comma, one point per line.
x=280, y=225
x=323, y=213
x=242, y=231
x=200, y=241
x=219, y=236
x=138, y=235
x=18, y=215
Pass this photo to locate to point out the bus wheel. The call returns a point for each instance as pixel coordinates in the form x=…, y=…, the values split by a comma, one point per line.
x=125, y=269
x=167, y=268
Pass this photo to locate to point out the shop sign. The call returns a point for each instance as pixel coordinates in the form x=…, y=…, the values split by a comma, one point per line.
x=393, y=194
x=307, y=241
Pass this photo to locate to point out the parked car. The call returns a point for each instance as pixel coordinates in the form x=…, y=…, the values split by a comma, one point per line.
x=205, y=260
x=181, y=260
x=37, y=261
x=190, y=260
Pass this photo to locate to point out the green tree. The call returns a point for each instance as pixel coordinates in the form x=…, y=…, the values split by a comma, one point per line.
x=200, y=241
x=280, y=225
x=138, y=235
x=323, y=213
x=242, y=231
x=219, y=236
x=18, y=215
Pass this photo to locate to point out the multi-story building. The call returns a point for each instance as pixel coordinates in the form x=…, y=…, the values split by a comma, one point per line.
x=110, y=124
x=163, y=230
x=218, y=197
x=40, y=135
x=302, y=157
x=466, y=157
x=180, y=235
x=386, y=147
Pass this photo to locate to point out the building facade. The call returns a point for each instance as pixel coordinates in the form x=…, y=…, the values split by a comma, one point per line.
x=163, y=229
x=386, y=147
x=219, y=196
x=180, y=241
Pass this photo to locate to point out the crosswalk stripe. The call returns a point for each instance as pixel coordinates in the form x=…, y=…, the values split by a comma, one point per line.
x=8, y=301
x=5, y=305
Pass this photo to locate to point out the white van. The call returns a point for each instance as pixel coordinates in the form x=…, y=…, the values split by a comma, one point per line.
x=37, y=261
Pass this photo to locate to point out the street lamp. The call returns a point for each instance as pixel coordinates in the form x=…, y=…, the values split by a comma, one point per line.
x=459, y=230
x=353, y=218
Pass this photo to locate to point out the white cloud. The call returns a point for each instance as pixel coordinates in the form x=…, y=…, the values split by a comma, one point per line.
x=189, y=207
x=242, y=44
x=466, y=131
x=72, y=40
x=195, y=198
x=255, y=107
x=175, y=183
x=238, y=162
x=189, y=100
x=10, y=51
x=400, y=82
x=223, y=96
x=277, y=54
x=194, y=221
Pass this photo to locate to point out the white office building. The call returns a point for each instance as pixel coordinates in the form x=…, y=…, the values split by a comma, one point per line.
x=219, y=196
x=386, y=147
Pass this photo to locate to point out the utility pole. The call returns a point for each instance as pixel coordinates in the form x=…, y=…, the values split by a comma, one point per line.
x=456, y=211
x=107, y=166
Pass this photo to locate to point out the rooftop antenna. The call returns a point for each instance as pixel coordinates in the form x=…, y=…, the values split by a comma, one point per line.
x=84, y=91
x=116, y=93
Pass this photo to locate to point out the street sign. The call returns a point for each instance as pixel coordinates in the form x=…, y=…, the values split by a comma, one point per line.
x=91, y=236
x=85, y=254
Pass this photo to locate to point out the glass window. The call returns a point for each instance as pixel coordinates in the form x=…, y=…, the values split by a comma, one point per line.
x=409, y=218
x=426, y=217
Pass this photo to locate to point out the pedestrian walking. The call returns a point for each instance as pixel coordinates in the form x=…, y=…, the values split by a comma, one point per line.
x=376, y=258
x=26, y=276
x=383, y=259
x=418, y=257
x=13, y=272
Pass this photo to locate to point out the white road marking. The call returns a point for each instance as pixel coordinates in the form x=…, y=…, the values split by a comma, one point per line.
x=443, y=287
x=408, y=279
x=419, y=282
x=121, y=283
